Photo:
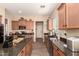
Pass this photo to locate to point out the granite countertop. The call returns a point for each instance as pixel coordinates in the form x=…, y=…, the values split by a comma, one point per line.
x=65, y=50
x=13, y=51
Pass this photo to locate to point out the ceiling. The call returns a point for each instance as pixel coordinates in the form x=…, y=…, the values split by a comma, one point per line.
x=29, y=8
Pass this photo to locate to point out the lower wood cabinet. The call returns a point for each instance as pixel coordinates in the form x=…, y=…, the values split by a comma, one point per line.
x=57, y=51
x=22, y=52
x=27, y=50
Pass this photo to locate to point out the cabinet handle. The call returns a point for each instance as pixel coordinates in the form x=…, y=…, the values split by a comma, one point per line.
x=65, y=25
x=57, y=49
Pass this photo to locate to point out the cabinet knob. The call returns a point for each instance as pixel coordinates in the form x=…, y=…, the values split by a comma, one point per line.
x=64, y=25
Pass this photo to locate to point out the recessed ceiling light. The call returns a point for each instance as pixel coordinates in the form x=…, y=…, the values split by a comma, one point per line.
x=19, y=11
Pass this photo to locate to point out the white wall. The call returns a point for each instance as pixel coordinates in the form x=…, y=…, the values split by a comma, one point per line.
x=8, y=16
x=2, y=12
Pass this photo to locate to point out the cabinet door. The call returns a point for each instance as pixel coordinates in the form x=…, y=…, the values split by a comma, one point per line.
x=15, y=25
x=31, y=25
x=55, y=51
x=22, y=52
x=22, y=22
x=72, y=14
x=60, y=53
x=61, y=16
x=27, y=25
x=29, y=48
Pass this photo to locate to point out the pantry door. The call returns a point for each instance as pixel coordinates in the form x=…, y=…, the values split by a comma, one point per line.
x=39, y=31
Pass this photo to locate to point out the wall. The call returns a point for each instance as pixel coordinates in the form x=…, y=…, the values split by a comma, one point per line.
x=55, y=24
x=2, y=12
x=8, y=16
x=60, y=33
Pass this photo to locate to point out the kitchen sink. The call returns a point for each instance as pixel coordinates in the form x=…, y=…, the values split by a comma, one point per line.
x=64, y=40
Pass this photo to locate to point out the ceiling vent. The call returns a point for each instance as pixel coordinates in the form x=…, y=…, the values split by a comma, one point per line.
x=42, y=6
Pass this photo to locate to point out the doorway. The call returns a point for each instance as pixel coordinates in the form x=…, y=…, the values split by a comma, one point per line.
x=39, y=31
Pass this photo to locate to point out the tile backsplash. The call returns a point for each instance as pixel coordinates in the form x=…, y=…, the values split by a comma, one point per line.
x=71, y=32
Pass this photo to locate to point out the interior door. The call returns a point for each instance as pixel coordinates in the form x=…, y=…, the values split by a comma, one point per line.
x=39, y=29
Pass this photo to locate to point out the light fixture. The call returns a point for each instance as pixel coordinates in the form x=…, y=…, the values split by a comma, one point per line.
x=19, y=11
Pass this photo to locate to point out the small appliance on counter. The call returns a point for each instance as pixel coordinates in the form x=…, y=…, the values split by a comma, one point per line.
x=73, y=43
x=8, y=42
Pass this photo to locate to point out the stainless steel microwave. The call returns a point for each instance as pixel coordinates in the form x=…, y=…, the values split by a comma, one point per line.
x=73, y=43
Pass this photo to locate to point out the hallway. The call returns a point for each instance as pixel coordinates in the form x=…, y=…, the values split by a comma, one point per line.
x=39, y=49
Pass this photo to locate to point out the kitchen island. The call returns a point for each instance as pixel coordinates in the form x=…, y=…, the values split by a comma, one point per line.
x=16, y=50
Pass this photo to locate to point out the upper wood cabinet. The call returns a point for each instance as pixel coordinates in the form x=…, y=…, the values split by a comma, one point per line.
x=49, y=24
x=61, y=15
x=72, y=15
x=68, y=16
x=15, y=25
x=31, y=24
x=22, y=22
x=28, y=24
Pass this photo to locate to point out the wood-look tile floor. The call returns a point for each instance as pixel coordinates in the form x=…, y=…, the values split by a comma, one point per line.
x=39, y=49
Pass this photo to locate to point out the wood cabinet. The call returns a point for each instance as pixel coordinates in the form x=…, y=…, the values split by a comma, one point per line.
x=62, y=14
x=57, y=51
x=15, y=25
x=22, y=52
x=31, y=25
x=46, y=41
x=68, y=15
x=22, y=22
x=49, y=24
x=29, y=48
x=28, y=24
x=72, y=15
